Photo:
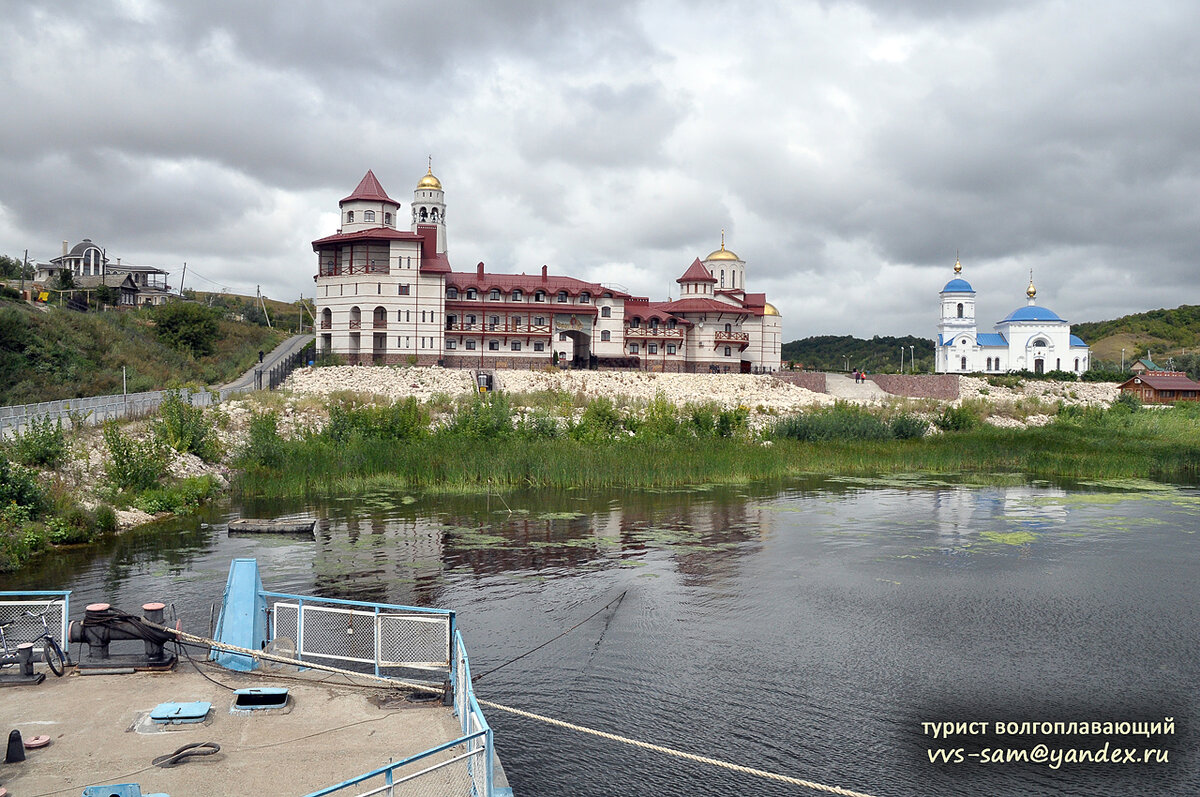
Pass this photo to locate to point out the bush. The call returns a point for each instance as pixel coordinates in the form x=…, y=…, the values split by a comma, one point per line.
x=483, y=417
x=732, y=422
x=601, y=420
x=659, y=420
x=19, y=486
x=185, y=428
x=1104, y=375
x=957, y=419
x=839, y=422
x=1062, y=376
x=179, y=498
x=538, y=425
x=1127, y=402
x=133, y=465
x=106, y=519
x=187, y=326
x=1005, y=380
x=264, y=446
x=909, y=427
x=75, y=526
x=40, y=444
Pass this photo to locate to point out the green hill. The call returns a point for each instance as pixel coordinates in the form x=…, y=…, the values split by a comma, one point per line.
x=49, y=353
x=880, y=354
x=1170, y=337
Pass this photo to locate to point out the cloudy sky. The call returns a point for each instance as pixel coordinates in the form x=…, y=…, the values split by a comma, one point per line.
x=849, y=149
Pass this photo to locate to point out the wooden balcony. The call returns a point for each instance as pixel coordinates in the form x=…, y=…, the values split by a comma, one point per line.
x=381, y=323
x=654, y=333
x=355, y=323
x=326, y=325
x=739, y=339
x=343, y=270
x=500, y=329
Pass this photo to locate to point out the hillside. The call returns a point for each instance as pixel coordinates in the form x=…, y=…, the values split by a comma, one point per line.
x=50, y=353
x=880, y=354
x=1171, y=336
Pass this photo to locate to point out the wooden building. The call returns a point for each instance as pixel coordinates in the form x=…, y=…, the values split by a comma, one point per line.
x=1162, y=387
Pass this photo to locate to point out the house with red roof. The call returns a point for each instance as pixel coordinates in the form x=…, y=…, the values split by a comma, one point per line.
x=1162, y=387
x=387, y=295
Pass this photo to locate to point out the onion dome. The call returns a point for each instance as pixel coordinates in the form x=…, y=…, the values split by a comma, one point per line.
x=429, y=181
x=769, y=309
x=722, y=253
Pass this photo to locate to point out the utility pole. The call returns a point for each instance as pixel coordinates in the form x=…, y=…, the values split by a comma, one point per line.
x=181, y=279
x=24, y=268
x=263, y=305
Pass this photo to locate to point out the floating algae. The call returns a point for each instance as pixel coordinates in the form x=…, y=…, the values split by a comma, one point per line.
x=1009, y=537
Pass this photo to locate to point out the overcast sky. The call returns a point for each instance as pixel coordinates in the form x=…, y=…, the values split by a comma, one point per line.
x=849, y=149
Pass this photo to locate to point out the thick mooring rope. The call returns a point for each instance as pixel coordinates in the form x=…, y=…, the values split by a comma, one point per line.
x=658, y=748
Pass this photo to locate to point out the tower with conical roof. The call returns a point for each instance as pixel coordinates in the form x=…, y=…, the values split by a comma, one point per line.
x=368, y=206
x=429, y=206
x=728, y=270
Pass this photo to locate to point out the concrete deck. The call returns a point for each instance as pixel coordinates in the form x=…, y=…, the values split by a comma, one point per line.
x=332, y=732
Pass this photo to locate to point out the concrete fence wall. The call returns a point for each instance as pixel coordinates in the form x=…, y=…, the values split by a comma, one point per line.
x=935, y=386
x=809, y=380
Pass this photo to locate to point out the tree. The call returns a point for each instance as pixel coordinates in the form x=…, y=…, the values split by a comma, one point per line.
x=187, y=326
x=65, y=281
x=10, y=268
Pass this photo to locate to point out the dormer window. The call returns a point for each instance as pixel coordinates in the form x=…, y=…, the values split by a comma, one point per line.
x=515, y=296
x=470, y=293
x=369, y=215
x=540, y=296
x=585, y=297
x=349, y=216
x=562, y=297
x=494, y=295
x=452, y=293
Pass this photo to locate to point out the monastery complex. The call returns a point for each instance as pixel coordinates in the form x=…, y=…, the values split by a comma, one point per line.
x=388, y=295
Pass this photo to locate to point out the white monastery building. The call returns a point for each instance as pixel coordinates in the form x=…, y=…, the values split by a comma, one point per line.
x=389, y=296
x=1030, y=338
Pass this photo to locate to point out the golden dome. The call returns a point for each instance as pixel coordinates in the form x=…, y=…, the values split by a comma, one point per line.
x=769, y=309
x=1031, y=291
x=429, y=181
x=722, y=253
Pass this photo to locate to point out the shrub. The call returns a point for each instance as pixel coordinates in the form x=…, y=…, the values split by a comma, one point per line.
x=1005, y=380
x=264, y=447
x=1062, y=376
x=106, y=519
x=601, y=420
x=732, y=422
x=909, y=427
x=185, y=428
x=482, y=417
x=133, y=465
x=187, y=326
x=76, y=526
x=1127, y=402
x=537, y=425
x=41, y=443
x=180, y=498
x=839, y=422
x=19, y=486
x=1104, y=375
x=659, y=420
x=957, y=419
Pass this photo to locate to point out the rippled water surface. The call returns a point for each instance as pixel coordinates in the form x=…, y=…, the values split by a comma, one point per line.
x=808, y=631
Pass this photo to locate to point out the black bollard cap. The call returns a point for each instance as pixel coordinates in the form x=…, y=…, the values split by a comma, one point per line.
x=16, y=749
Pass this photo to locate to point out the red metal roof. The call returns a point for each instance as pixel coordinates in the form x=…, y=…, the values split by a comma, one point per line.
x=1164, y=380
x=431, y=261
x=643, y=308
x=696, y=272
x=529, y=283
x=373, y=234
x=370, y=189
x=697, y=305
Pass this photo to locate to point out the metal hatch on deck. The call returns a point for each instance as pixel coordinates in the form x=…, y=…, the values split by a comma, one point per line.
x=180, y=713
x=260, y=699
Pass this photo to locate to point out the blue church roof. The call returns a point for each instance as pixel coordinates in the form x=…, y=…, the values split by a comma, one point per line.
x=991, y=339
x=958, y=285
x=1077, y=341
x=1031, y=313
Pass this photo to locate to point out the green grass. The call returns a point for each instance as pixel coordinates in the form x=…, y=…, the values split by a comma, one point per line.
x=1115, y=444
x=62, y=354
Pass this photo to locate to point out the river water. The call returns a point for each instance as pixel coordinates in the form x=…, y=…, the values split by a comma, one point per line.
x=806, y=629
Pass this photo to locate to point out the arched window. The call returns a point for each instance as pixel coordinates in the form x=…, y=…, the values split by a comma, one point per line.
x=960, y=310
x=606, y=312
x=672, y=324
x=728, y=327
x=470, y=293
x=540, y=296
x=494, y=295
x=368, y=215
x=562, y=297
x=633, y=324
x=1076, y=363
x=585, y=297
x=722, y=278
x=515, y=296
x=654, y=323
x=387, y=219
x=1040, y=342
x=433, y=216
x=452, y=293
x=424, y=214
x=963, y=367
x=989, y=363
x=605, y=335
x=349, y=216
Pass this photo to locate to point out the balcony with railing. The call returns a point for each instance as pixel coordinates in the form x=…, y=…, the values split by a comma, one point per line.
x=654, y=333
x=740, y=339
x=499, y=329
x=350, y=269
x=326, y=323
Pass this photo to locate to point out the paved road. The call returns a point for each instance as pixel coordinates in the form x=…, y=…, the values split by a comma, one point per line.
x=289, y=346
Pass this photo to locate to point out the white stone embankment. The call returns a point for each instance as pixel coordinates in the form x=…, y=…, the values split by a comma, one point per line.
x=1087, y=393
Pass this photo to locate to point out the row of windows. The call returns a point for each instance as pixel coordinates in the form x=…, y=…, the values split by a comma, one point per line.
x=537, y=320
x=517, y=295
x=368, y=216
x=652, y=348
x=494, y=345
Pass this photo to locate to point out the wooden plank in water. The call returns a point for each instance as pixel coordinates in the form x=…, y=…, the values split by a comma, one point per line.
x=269, y=526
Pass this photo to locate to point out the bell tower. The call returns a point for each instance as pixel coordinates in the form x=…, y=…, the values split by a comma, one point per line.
x=429, y=206
x=958, y=307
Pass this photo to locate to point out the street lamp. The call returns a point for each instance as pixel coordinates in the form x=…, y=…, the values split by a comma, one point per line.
x=1122, y=361
x=901, y=359
x=846, y=362
x=912, y=366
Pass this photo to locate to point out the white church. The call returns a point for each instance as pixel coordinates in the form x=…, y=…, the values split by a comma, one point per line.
x=1030, y=338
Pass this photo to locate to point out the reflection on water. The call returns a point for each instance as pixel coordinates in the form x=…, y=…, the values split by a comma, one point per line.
x=807, y=628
